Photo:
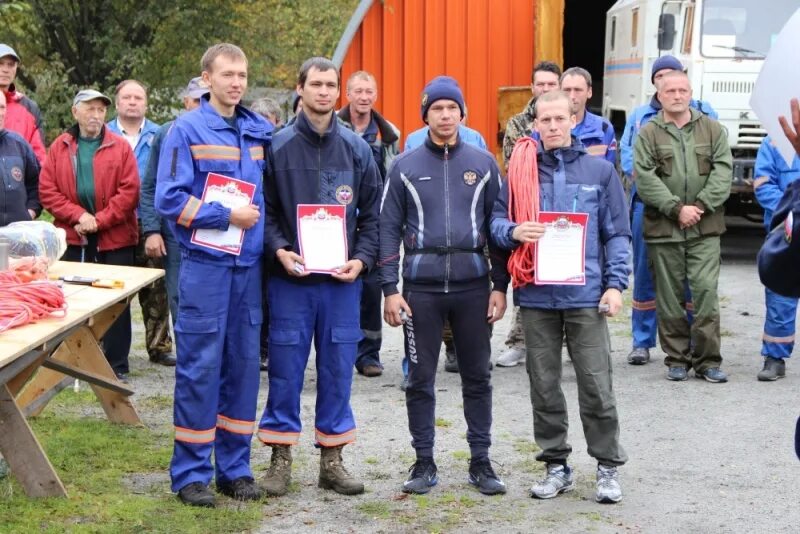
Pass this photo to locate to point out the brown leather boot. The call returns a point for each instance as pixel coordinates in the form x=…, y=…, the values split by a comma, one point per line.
x=276, y=481
x=333, y=475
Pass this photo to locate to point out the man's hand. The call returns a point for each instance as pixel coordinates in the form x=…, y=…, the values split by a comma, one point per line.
x=245, y=217
x=391, y=309
x=613, y=299
x=349, y=271
x=689, y=216
x=528, y=232
x=154, y=246
x=290, y=260
x=497, y=307
x=793, y=135
x=87, y=224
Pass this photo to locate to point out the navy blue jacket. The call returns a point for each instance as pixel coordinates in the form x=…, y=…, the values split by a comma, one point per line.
x=438, y=201
x=305, y=167
x=779, y=257
x=19, y=177
x=571, y=180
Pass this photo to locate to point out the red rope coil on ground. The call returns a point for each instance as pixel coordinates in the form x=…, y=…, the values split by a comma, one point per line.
x=523, y=205
x=22, y=302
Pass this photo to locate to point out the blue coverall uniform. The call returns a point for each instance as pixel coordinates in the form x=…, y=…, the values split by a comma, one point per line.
x=773, y=175
x=219, y=318
x=305, y=167
x=643, y=314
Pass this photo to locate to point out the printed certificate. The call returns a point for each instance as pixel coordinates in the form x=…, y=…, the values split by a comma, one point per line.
x=322, y=233
x=560, y=257
x=231, y=193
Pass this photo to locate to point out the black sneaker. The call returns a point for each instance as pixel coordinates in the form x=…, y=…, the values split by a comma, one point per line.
x=167, y=359
x=197, y=494
x=241, y=489
x=483, y=477
x=422, y=478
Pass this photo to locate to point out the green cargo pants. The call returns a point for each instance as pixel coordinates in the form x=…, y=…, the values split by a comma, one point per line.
x=696, y=261
x=589, y=345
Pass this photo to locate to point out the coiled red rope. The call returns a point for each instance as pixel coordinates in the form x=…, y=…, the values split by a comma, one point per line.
x=22, y=302
x=523, y=205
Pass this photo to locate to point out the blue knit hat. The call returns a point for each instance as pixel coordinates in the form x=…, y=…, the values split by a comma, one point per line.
x=665, y=62
x=441, y=88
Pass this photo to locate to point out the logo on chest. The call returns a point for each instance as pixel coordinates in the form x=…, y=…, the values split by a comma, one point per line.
x=16, y=173
x=344, y=194
x=470, y=177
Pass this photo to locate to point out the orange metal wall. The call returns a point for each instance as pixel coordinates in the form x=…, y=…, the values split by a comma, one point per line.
x=484, y=44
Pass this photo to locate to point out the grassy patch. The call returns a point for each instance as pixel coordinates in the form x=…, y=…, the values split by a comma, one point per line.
x=372, y=460
x=526, y=446
x=461, y=455
x=442, y=423
x=93, y=459
x=156, y=402
x=375, y=509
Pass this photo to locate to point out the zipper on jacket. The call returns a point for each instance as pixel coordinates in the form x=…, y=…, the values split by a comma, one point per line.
x=447, y=220
x=685, y=174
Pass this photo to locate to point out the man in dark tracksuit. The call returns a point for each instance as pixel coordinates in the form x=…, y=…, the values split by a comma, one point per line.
x=438, y=201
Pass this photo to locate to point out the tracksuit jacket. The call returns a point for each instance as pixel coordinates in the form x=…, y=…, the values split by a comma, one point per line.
x=434, y=197
x=572, y=180
x=19, y=178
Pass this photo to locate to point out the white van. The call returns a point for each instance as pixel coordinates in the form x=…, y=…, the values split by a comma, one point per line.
x=722, y=44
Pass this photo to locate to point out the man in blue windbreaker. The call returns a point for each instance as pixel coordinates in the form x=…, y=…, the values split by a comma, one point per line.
x=316, y=160
x=593, y=131
x=643, y=314
x=219, y=318
x=570, y=180
x=773, y=176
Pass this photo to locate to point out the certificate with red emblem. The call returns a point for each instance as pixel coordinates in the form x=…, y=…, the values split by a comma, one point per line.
x=560, y=257
x=322, y=233
x=231, y=193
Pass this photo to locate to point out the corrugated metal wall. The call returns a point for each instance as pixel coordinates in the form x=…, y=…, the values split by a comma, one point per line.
x=484, y=44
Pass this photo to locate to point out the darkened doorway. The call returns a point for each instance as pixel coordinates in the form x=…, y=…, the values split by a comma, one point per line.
x=584, y=41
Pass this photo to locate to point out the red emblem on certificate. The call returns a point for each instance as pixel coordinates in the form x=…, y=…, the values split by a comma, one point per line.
x=231, y=193
x=560, y=257
x=322, y=233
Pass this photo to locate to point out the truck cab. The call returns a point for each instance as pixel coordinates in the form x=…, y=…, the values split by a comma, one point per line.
x=722, y=44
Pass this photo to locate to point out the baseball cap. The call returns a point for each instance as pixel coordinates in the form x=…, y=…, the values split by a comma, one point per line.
x=6, y=50
x=196, y=88
x=86, y=95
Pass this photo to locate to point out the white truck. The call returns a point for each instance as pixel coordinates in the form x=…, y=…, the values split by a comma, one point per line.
x=722, y=44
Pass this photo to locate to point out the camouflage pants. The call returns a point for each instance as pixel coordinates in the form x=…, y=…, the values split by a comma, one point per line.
x=516, y=337
x=155, y=307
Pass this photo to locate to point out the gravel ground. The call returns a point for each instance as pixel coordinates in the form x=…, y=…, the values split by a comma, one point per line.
x=703, y=457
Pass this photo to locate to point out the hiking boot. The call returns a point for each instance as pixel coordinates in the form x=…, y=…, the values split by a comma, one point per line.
x=558, y=480
x=333, y=475
x=166, y=359
x=197, y=494
x=712, y=374
x=608, y=488
x=241, y=489
x=371, y=370
x=639, y=356
x=279, y=475
x=511, y=357
x=774, y=368
x=677, y=374
x=483, y=477
x=422, y=477
x=450, y=361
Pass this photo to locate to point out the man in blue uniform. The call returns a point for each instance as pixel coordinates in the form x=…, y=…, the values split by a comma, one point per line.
x=219, y=318
x=438, y=202
x=593, y=131
x=773, y=176
x=643, y=314
x=316, y=161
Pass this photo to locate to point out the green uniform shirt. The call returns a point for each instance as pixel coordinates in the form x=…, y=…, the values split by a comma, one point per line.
x=85, y=179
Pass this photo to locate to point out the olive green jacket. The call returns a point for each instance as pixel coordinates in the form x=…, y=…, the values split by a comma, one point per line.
x=676, y=167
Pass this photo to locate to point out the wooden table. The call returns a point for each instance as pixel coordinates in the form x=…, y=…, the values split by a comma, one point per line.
x=34, y=360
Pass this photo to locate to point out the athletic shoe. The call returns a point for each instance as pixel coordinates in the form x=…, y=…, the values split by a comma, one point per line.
x=677, y=374
x=196, y=494
x=166, y=359
x=774, y=368
x=639, y=356
x=712, y=374
x=608, y=488
x=371, y=370
x=511, y=357
x=241, y=489
x=483, y=477
x=450, y=361
x=558, y=480
x=423, y=476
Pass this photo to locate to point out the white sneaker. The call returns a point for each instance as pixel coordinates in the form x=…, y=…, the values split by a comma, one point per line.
x=511, y=357
x=608, y=488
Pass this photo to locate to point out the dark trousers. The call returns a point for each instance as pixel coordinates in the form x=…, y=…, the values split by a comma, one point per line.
x=369, y=348
x=117, y=341
x=466, y=312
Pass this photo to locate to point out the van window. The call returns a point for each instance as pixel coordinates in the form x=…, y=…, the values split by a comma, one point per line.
x=613, y=32
x=688, y=25
x=634, y=26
